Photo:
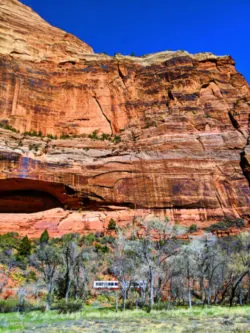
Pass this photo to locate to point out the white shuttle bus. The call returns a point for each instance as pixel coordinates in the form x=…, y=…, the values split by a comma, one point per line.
x=106, y=284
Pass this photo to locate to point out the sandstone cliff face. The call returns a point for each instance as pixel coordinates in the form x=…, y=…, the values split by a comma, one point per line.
x=182, y=121
x=25, y=35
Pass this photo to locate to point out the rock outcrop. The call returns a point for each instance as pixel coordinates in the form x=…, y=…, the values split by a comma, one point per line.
x=166, y=133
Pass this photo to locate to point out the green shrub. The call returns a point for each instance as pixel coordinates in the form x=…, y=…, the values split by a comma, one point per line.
x=112, y=225
x=105, y=136
x=53, y=137
x=31, y=276
x=101, y=248
x=107, y=240
x=226, y=224
x=24, y=247
x=69, y=307
x=161, y=306
x=4, y=124
x=193, y=228
x=88, y=239
x=13, y=305
x=9, y=305
x=117, y=139
x=33, y=133
x=44, y=238
x=94, y=135
x=64, y=136
x=34, y=146
x=9, y=241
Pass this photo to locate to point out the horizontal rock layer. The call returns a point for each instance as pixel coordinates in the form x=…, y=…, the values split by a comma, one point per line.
x=182, y=121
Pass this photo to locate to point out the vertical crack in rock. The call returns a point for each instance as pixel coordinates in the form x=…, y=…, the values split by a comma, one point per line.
x=245, y=166
x=200, y=141
x=235, y=122
x=244, y=161
x=121, y=75
x=100, y=107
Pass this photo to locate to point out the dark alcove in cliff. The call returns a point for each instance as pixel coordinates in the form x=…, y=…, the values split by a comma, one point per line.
x=27, y=201
x=30, y=196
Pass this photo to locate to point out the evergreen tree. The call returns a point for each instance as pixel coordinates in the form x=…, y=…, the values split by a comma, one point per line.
x=24, y=247
x=112, y=225
x=44, y=238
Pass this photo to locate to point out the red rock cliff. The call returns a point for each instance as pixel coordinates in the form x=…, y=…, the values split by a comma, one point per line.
x=182, y=121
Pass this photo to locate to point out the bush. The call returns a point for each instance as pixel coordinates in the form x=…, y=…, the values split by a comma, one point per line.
x=117, y=139
x=64, y=136
x=9, y=241
x=88, y=239
x=112, y=225
x=101, y=249
x=44, y=238
x=4, y=124
x=93, y=136
x=9, y=305
x=161, y=306
x=24, y=247
x=53, y=137
x=226, y=224
x=69, y=307
x=31, y=276
x=107, y=240
x=33, y=133
x=193, y=228
x=34, y=146
x=105, y=136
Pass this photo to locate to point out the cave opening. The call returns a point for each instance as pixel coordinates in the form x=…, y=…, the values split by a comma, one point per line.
x=27, y=201
x=31, y=196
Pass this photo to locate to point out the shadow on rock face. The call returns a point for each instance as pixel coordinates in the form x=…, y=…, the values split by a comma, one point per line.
x=30, y=196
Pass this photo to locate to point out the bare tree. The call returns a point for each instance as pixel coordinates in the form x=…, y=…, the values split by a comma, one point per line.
x=123, y=265
x=153, y=248
x=48, y=260
x=240, y=264
x=186, y=266
x=72, y=255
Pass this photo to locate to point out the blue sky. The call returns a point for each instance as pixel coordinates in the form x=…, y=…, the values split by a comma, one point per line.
x=147, y=26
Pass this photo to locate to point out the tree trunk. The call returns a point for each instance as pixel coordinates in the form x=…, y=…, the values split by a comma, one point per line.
x=189, y=289
x=151, y=292
x=143, y=295
x=49, y=297
x=235, y=287
x=124, y=299
x=189, y=297
x=203, y=297
x=240, y=294
x=67, y=291
x=248, y=293
x=116, y=301
x=209, y=295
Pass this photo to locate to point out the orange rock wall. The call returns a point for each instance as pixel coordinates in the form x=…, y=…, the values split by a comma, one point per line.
x=183, y=121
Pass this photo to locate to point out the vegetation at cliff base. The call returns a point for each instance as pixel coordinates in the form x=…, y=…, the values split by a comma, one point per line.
x=159, y=277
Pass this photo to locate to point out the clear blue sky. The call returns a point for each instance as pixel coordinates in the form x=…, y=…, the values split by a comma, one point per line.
x=147, y=26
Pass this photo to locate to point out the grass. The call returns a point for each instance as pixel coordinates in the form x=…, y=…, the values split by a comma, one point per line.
x=208, y=319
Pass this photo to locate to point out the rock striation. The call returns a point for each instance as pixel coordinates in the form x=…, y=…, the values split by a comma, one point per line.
x=166, y=133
